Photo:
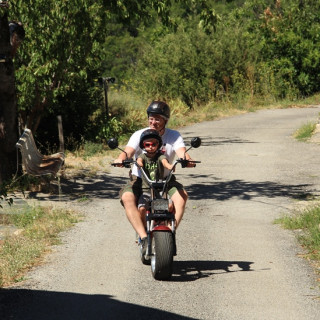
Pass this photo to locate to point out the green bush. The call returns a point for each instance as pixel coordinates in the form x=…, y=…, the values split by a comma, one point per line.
x=111, y=128
x=176, y=67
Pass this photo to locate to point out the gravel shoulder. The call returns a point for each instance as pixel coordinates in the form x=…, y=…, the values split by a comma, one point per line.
x=232, y=262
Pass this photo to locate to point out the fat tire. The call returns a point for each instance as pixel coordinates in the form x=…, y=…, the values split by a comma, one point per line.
x=163, y=252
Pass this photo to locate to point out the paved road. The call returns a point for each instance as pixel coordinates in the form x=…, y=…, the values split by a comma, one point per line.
x=232, y=263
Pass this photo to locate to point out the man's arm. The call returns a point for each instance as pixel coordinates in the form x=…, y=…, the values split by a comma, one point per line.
x=181, y=153
x=129, y=152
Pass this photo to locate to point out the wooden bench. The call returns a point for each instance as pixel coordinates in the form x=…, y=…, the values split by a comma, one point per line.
x=33, y=161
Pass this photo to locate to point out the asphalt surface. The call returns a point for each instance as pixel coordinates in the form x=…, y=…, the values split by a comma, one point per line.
x=233, y=262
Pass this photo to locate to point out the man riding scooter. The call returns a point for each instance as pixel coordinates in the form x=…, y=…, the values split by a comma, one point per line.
x=173, y=145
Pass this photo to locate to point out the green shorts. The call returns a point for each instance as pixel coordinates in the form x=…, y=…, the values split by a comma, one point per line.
x=134, y=185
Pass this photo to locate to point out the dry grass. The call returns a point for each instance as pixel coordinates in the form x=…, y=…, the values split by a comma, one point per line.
x=79, y=166
x=37, y=228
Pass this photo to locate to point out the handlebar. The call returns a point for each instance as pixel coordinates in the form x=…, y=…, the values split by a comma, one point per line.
x=184, y=162
x=128, y=162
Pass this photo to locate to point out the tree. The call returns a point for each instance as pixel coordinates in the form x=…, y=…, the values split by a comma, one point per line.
x=60, y=55
x=8, y=106
x=63, y=47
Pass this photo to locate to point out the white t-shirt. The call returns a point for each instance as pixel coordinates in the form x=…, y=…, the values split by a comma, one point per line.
x=171, y=141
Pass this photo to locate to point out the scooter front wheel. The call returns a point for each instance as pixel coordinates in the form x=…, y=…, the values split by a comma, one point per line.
x=163, y=252
x=143, y=258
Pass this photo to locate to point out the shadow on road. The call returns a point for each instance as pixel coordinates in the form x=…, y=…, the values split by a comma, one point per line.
x=107, y=187
x=185, y=271
x=101, y=186
x=210, y=141
x=21, y=304
x=246, y=190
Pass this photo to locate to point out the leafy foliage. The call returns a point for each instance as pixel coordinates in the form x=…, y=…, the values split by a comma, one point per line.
x=193, y=51
x=62, y=53
x=112, y=128
x=257, y=50
x=59, y=53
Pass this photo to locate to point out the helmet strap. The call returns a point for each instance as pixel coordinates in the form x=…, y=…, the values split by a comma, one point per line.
x=163, y=129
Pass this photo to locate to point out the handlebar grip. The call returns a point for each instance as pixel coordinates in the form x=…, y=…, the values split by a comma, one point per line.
x=117, y=164
x=184, y=162
x=124, y=163
x=194, y=162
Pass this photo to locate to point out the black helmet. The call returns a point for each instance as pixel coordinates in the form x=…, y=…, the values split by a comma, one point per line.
x=150, y=134
x=159, y=107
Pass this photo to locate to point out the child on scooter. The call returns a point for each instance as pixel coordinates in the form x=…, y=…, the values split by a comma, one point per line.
x=153, y=162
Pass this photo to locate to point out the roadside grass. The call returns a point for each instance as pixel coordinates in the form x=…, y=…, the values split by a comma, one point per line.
x=305, y=131
x=90, y=157
x=131, y=109
x=79, y=165
x=306, y=224
x=30, y=233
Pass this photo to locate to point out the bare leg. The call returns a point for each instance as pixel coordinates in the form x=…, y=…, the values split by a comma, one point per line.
x=179, y=199
x=143, y=213
x=133, y=213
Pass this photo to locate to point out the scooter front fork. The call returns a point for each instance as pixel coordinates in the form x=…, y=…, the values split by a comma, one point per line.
x=174, y=244
x=149, y=248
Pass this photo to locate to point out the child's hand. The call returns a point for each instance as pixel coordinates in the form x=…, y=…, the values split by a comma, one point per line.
x=140, y=162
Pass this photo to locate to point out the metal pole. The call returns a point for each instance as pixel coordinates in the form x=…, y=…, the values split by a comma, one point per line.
x=105, y=86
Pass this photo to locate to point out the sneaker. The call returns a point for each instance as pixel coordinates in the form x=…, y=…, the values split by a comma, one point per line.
x=143, y=243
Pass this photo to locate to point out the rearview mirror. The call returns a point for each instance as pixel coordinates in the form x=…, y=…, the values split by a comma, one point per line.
x=113, y=143
x=195, y=142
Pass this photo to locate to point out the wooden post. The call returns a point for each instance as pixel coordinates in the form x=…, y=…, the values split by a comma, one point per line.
x=61, y=137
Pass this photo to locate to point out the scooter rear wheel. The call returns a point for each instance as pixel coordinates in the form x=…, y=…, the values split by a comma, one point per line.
x=162, y=258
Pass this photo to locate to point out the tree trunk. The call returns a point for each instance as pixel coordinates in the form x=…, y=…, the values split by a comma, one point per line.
x=8, y=104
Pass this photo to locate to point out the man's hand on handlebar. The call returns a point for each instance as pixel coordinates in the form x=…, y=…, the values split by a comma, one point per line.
x=117, y=163
x=190, y=163
x=122, y=163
